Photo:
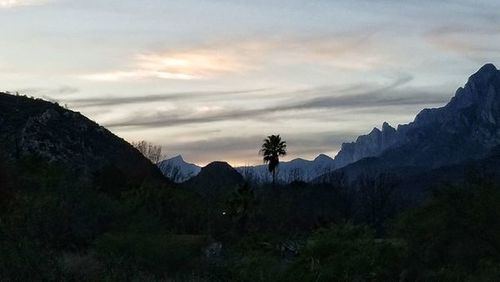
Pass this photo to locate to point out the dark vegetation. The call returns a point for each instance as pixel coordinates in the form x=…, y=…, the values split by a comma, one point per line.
x=96, y=210
x=55, y=228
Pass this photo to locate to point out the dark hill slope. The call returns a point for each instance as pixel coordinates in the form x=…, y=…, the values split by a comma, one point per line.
x=215, y=179
x=34, y=127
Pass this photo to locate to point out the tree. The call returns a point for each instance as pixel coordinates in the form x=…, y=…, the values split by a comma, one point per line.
x=378, y=199
x=272, y=149
x=455, y=235
x=149, y=150
x=240, y=205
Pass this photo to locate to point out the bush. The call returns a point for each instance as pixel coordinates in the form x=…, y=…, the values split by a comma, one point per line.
x=456, y=234
x=347, y=253
x=23, y=259
x=160, y=254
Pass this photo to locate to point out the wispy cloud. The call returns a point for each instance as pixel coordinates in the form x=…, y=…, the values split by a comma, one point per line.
x=316, y=99
x=477, y=43
x=188, y=65
x=152, y=98
x=348, y=50
x=48, y=93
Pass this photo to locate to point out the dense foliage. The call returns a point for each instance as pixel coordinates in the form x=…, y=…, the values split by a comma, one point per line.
x=55, y=226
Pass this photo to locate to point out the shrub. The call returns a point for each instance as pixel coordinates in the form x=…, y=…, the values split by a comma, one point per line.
x=160, y=254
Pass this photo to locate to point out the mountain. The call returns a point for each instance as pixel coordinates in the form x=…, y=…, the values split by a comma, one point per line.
x=368, y=145
x=468, y=127
x=34, y=127
x=178, y=170
x=295, y=170
x=465, y=129
x=215, y=179
x=287, y=172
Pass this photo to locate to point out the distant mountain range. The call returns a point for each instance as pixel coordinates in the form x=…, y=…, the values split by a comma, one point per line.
x=287, y=172
x=467, y=128
x=295, y=170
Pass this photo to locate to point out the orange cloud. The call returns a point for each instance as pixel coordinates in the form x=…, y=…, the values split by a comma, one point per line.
x=343, y=51
x=195, y=64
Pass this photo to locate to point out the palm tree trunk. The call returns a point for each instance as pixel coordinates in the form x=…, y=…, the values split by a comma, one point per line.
x=274, y=176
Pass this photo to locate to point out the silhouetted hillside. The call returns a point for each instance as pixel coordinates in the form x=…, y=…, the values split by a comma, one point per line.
x=34, y=127
x=215, y=179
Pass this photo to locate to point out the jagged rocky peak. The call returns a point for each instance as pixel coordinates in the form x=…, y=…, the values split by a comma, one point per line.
x=386, y=127
x=375, y=132
x=483, y=83
x=471, y=119
x=481, y=91
x=485, y=74
x=386, y=132
x=365, y=146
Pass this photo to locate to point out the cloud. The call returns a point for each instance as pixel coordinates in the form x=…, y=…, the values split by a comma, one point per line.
x=317, y=99
x=187, y=65
x=118, y=101
x=5, y=4
x=48, y=93
x=355, y=50
x=477, y=43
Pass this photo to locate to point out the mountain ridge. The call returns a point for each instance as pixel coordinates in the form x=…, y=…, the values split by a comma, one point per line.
x=298, y=169
x=34, y=127
x=467, y=127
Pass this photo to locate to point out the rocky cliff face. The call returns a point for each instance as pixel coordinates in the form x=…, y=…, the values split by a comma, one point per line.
x=465, y=131
x=369, y=145
x=33, y=127
x=467, y=127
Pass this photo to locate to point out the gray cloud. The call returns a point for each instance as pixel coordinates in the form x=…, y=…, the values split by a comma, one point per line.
x=45, y=92
x=319, y=98
x=477, y=43
x=117, y=101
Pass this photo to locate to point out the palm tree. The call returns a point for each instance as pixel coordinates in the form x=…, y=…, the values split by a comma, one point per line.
x=272, y=149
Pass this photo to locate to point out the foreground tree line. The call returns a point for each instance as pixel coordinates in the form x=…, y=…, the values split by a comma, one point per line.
x=55, y=226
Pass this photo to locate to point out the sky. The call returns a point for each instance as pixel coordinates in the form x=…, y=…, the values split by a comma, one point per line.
x=209, y=79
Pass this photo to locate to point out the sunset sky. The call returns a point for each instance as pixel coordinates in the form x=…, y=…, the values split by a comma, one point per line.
x=209, y=79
